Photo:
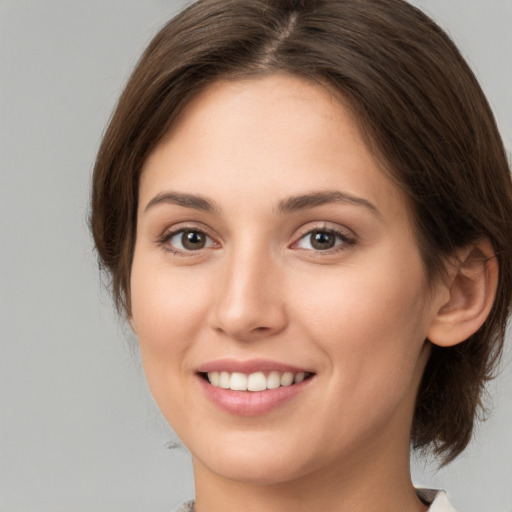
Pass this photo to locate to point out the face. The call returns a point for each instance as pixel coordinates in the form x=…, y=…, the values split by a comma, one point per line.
x=278, y=293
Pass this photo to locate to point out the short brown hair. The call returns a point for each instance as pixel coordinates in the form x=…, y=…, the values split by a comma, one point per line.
x=420, y=109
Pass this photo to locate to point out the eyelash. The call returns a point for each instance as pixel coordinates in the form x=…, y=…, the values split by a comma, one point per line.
x=168, y=236
x=345, y=240
x=342, y=237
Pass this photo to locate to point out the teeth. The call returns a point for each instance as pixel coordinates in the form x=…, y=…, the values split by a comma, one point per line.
x=238, y=382
x=214, y=378
x=299, y=377
x=273, y=380
x=257, y=381
x=224, y=380
x=287, y=379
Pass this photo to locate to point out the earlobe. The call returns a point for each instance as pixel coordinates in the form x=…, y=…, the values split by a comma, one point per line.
x=472, y=288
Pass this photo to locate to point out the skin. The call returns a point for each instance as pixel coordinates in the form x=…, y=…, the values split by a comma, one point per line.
x=357, y=315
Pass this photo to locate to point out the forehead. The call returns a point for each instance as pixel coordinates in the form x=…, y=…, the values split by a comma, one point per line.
x=274, y=135
x=277, y=108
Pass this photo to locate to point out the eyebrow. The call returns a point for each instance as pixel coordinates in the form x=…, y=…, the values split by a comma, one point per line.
x=313, y=199
x=181, y=199
x=285, y=206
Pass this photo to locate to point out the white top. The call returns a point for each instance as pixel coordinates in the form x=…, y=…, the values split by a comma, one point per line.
x=438, y=502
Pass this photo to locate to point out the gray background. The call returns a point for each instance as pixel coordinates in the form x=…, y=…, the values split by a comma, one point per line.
x=78, y=429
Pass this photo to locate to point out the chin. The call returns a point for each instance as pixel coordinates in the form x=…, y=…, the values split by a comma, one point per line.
x=256, y=462
x=261, y=473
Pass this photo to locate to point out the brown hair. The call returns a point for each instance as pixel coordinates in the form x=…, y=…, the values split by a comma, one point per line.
x=420, y=109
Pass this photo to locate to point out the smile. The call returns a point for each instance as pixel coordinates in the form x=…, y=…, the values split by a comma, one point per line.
x=254, y=387
x=257, y=381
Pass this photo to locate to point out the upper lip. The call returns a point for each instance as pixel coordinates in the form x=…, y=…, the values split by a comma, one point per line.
x=249, y=366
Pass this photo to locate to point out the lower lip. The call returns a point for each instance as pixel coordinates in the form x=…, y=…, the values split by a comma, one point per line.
x=251, y=403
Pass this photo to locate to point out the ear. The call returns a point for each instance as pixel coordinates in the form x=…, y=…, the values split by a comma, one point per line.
x=472, y=287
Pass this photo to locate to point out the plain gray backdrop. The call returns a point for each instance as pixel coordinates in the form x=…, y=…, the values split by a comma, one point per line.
x=78, y=429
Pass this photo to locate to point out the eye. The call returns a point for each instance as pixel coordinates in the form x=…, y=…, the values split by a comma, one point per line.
x=323, y=240
x=186, y=240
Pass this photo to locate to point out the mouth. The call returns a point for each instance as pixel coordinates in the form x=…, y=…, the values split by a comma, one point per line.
x=254, y=382
x=252, y=387
x=253, y=394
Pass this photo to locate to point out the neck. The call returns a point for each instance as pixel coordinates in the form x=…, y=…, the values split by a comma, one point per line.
x=376, y=482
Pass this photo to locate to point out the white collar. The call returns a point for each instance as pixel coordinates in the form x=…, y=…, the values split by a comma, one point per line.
x=438, y=500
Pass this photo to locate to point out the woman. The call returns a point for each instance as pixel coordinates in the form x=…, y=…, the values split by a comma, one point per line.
x=305, y=208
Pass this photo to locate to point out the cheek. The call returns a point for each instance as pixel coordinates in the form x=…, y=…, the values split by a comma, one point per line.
x=368, y=300
x=166, y=305
x=168, y=311
x=371, y=323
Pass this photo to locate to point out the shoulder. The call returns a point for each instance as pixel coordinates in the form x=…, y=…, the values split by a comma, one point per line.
x=438, y=500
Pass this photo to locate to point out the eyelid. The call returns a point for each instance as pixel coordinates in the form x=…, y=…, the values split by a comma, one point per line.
x=347, y=236
x=172, y=231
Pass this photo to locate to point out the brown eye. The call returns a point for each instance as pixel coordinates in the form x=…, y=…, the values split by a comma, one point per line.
x=193, y=240
x=322, y=240
x=189, y=240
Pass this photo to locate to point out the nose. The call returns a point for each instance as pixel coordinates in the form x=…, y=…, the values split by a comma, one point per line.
x=249, y=302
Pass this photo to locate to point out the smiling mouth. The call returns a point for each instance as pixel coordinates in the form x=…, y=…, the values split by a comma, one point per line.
x=257, y=381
